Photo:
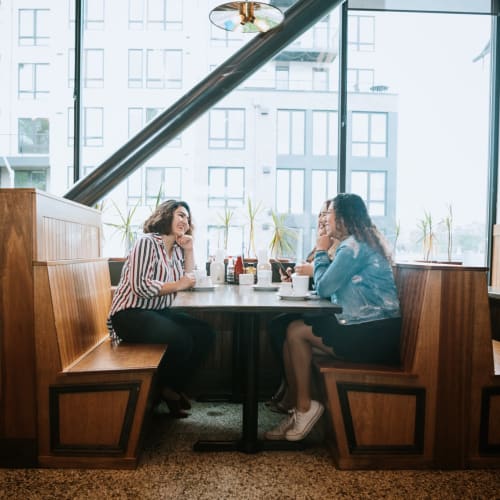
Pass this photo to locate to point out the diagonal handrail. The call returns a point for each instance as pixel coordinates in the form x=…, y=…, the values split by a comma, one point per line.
x=166, y=126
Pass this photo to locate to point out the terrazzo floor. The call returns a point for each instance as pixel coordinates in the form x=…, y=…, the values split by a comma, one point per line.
x=169, y=469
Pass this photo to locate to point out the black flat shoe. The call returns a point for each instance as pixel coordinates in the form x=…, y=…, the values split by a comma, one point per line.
x=175, y=408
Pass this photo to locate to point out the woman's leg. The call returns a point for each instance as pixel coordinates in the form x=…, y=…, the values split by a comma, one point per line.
x=158, y=327
x=300, y=340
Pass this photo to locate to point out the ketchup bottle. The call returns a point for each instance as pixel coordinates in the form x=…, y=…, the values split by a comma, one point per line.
x=238, y=269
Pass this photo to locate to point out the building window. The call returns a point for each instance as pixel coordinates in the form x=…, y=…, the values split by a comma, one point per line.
x=226, y=128
x=93, y=68
x=291, y=132
x=317, y=37
x=162, y=183
x=27, y=178
x=369, y=134
x=323, y=187
x=320, y=79
x=371, y=186
x=361, y=33
x=34, y=80
x=325, y=133
x=34, y=27
x=93, y=127
x=282, y=77
x=135, y=71
x=290, y=191
x=164, y=15
x=33, y=135
x=226, y=186
x=135, y=14
x=360, y=79
x=163, y=69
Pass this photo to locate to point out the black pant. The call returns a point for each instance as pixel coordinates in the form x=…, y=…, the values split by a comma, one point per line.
x=188, y=339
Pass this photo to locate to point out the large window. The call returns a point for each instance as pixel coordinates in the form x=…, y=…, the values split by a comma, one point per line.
x=34, y=80
x=369, y=134
x=290, y=191
x=227, y=129
x=371, y=187
x=33, y=135
x=93, y=68
x=324, y=187
x=324, y=133
x=93, y=126
x=27, y=177
x=290, y=137
x=34, y=27
x=226, y=186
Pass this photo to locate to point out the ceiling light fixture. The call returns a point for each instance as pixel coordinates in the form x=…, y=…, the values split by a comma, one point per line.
x=246, y=17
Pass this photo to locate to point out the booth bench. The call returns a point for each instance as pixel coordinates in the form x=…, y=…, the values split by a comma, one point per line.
x=441, y=407
x=93, y=396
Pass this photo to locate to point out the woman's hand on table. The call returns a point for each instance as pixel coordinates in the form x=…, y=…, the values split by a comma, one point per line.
x=187, y=281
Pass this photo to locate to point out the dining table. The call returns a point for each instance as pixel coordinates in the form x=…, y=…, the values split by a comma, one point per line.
x=247, y=304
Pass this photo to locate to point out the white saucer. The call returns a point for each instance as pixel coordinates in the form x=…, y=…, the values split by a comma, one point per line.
x=265, y=288
x=292, y=296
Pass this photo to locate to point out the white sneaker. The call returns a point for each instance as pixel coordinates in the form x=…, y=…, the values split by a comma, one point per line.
x=278, y=433
x=303, y=422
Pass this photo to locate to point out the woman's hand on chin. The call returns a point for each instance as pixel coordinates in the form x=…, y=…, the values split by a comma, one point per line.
x=185, y=241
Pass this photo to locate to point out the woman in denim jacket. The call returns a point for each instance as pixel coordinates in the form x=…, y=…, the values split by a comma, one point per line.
x=360, y=279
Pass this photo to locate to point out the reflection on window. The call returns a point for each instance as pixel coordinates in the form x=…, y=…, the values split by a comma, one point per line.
x=33, y=80
x=290, y=191
x=361, y=33
x=93, y=126
x=33, y=135
x=291, y=132
x=226, y=128
x=360, y=79
x=164, y=15
x=226, y=186
x=93, y=68
x=216, y=239
x=325, y=133
x=369, y=134
x=371, y=186
x=34, y=27
x=323, y=187
x=30, y=178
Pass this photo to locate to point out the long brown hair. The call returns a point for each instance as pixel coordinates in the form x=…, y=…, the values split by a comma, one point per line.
x=352, y=217
x=160, y=221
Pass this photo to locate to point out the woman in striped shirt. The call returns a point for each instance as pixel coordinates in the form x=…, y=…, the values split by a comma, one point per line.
x=159, y=265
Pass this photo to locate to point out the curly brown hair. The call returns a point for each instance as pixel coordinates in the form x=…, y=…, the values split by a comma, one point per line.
x=160, y=221
x=352, y=217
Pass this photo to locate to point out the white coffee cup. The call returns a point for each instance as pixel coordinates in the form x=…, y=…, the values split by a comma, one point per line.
x=300, y=284
x=264, y=277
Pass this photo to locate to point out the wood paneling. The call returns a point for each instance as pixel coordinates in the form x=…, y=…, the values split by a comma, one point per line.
x=33, y=225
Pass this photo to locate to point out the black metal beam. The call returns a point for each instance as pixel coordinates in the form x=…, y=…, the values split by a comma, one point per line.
x=298, y=18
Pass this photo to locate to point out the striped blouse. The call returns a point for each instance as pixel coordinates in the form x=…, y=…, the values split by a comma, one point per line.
x=146, y=269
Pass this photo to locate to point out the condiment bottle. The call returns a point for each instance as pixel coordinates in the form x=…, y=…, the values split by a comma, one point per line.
x=238, y=268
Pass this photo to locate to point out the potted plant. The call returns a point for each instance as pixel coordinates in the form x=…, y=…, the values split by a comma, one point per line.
x=252, y=212
x=225, y=219
x=428, y=238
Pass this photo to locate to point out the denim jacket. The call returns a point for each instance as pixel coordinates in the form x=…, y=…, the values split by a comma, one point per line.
x=360, y=280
